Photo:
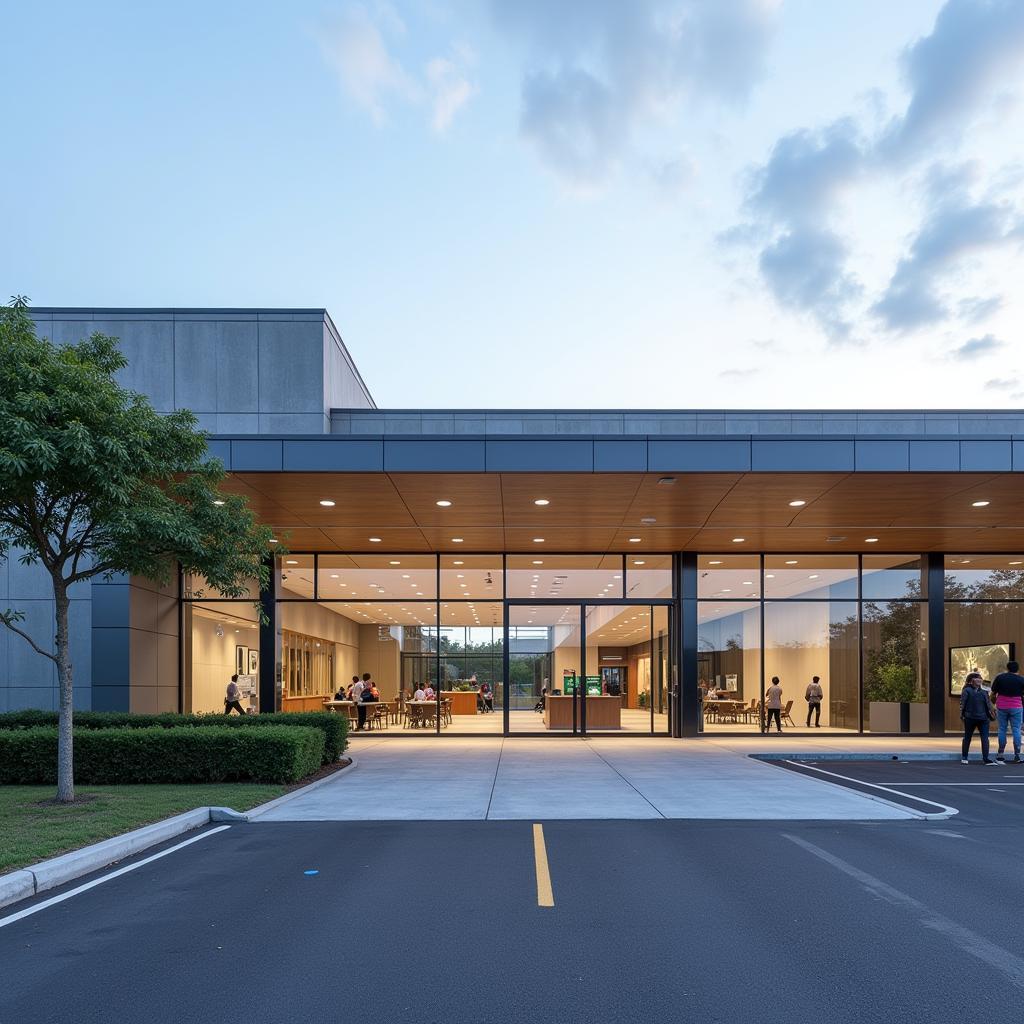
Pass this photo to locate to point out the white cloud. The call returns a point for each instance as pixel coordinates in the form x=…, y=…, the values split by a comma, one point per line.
x=450, y=91
x=361, y=48
x=1002, y=384
x=975, y=348
x=598, y=70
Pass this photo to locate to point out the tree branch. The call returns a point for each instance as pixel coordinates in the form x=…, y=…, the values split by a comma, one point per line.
x=14, y=629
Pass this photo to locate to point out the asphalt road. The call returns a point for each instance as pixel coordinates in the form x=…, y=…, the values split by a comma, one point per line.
x=653, y=921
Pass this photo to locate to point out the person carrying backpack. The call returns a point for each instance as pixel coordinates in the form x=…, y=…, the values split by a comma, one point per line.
x=976, y=712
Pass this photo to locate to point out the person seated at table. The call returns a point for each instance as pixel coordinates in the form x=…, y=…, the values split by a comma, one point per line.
x=485, y=698
x=342, y=694
x=429, y=693
x=539, y=706
x=419, y=694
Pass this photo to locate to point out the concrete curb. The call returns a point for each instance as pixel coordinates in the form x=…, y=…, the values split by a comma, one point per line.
x=804, y=755
x=48, y=874
x=255, y=812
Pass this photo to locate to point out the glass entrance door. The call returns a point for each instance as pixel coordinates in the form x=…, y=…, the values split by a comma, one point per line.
x=544, y=667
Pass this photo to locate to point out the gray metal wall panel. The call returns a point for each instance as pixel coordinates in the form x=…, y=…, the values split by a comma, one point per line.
x=934, y=456
x=698, y=456
x=882, y=456
x=342, y=456
x=442, y=456
x=800, y=456
x=986, y=456
x=540, y=456
x=256, y=455
x=620, y=456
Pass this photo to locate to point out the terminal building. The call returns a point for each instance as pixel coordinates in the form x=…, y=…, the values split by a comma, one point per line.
x=613, y=571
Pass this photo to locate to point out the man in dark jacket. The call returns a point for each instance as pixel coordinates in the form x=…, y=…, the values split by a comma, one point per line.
x=1008, y=690
x=974, y=709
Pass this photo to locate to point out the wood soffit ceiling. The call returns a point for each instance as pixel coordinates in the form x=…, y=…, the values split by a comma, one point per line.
x=593, y=512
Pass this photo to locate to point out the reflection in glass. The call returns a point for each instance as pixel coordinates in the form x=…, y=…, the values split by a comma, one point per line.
x=728, y=577
x=895, y=666
x=376, y=577
x=810, y=577
x=547, y=576
x=892, y=577
x=729, y=665
x=648, y=576
x=544, y=655
x=984, y=577
x=804, y=639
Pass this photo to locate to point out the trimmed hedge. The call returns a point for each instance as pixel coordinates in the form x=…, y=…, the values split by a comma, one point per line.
x=129, y=756
x=334, y=727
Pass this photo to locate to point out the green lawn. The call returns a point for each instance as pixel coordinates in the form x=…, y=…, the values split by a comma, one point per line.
x=30, y=832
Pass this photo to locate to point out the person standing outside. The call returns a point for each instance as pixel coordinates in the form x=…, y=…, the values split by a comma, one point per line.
x=357, y=699
x=773, y=706
x=814, y=697
x=975, y=711
x=232, y=698
x=1008, y=689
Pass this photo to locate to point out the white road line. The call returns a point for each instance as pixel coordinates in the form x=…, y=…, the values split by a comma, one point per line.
x=946, y=810
x=951, y=785
x=10, y=919
x=995, y=958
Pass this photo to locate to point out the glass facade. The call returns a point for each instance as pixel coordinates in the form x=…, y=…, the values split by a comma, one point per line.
x=495, y=636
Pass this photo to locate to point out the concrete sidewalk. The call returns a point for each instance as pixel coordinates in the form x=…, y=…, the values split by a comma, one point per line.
x=451, y=778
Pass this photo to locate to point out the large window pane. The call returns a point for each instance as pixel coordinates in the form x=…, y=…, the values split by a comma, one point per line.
x=197, y=588
x=293, y=576
x=648, y=576
x=729, y=665
x=891, y=577
x=804, y=639
x=377, y=577
x=979, y=636
x=984, y=577
x=895, y=666
x=728, y=577
x=472, y=649
x=219, y=640
x=476, y=576
x=544, y=655
x=547, y=576
x=810, y=577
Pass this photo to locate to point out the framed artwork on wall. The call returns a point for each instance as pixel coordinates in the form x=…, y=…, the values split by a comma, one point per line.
x=732, y=683
x=241, y=659
x=254, y=661
x=988, y=659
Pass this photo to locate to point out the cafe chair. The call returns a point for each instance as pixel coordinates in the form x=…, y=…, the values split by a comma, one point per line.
x=786, y=716
x=380, y=717
x=446, y=711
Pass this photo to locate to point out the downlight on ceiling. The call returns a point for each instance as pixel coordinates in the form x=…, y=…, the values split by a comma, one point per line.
x=327, y=503
x=443, y=503
x=870, y=540
x=541, y=501
x=798, y=503
x=666, y=481
x=648, y=520
x=979, y=504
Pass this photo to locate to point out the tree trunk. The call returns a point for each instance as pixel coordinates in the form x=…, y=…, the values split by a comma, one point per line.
x=65, y=762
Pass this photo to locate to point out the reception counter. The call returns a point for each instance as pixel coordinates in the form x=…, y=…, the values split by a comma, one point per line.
x=602, y=712
x=463, y=701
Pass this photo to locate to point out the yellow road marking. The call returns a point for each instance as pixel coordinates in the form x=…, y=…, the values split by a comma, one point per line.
x=545, y=897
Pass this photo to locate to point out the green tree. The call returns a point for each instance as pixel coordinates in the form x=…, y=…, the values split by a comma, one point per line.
x=94, y=482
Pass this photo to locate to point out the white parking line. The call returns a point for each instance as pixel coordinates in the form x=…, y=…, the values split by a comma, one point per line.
x=995, y=958
x=11, y=918
x=945, y=812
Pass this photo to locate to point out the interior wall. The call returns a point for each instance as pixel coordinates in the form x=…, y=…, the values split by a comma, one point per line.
x=380, y=655
x=315, y=620
x=213, y=659
x=564, y=658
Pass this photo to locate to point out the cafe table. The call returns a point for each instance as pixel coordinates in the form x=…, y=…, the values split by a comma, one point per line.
x=427, y=710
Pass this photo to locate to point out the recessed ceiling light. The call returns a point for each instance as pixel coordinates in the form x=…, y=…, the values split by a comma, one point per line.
x=541, y=501
x=217, y=501
x=979, y=504
x=813, y=576
x=639, y=563
x=870, y=540
x=714, y=562
x=273, y=540
x=965, y=561
x=666, y=481
x=405, y=576
x=394, y=563
x=648, y=520
x=291, y=561
x=375, y=540
x=443, y=503
x=538, y=540
x=456, y=540
x=635, y=540
x=538, y=561
x=334, y=575
x=738, y=540
x=1017, y=562
x=798, y=503
x=458, y=563
x=748, y=583
x=327, y=503
x=769, y=576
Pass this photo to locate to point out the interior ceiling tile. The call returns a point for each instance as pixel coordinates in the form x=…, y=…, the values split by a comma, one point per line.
x=687, y=502
x=762, y=499
x=475, y=498
x=597, y=499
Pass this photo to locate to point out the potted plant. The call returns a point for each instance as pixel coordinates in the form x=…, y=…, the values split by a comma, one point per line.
x=895, y=704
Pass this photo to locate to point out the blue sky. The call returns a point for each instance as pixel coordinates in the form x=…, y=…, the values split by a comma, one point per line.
x=584, y=203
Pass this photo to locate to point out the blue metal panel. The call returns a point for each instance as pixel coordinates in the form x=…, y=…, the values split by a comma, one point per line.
x=110, y=659
x=110, y=698
x=620, y=456
x=1018, y=455
x=698, y=456
x=256, y=455
x=986, y=456
x=934, y=456
x=436, y=456
x=799, y=456
x=110, y=605
x=528, y=456
x=882, y=456
x=342, y=455
x=220, y=450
